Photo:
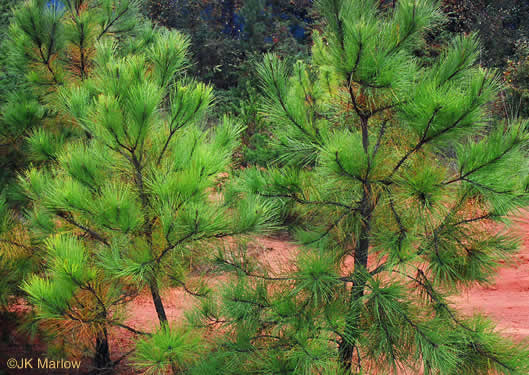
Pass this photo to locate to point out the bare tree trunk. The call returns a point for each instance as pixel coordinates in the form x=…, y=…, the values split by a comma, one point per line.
x=160, y=310
x=102, y=361
x=157, y=300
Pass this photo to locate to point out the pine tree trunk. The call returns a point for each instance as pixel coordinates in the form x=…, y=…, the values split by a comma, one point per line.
x=157, y=300
x=160, y=310
x=346, y=351
x=102, y=361
x=346, y=348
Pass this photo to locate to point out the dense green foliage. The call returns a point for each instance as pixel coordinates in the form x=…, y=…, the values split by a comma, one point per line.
x=380, y=152
x=115, y=206
x=50, y=45
x=227, y=39
x=45, y=48
x=396, y=175
x=7, y=82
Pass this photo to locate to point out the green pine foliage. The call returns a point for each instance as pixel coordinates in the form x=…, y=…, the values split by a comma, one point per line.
x=49, y=45
x=7, y=79
x=128, y=206
x=168, y=347
x=398, y=179
x=16, y=258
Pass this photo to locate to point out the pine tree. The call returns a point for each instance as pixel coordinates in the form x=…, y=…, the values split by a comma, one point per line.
x=129, y=206
x=48, y=45
x=51, y=44
x=394, y=179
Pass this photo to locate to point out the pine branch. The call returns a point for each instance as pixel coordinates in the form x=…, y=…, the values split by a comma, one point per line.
x=474, y=219
x=82, y=53
x=379, y=139
x=353, y=98
x=401, y=41
x=116, y=138
x=109, y=25
x=329, y=229
x=186, y=289
x=424, y=139
x=491, y=356
x=378, y=269
x=304, y=201
x=90, y=289
x=266, y=337
x=130, y=329
x=281, y=102
x=45, y=61
x=335, y=12
x=171, y=133
x=250, y=302
x=364, y=83
x=386, y=333
x=479, y=185
x=249, y=274
x=457, y=70
x=310, y=100
x=451, y=213
x=172, y=130
x=67, y=217
x=402, y=229
x=420, y=331
x=429, y=289
x=474, y=170
x=118, y=360
x=358, y=56
x=172, y=246
x=77, y=318
x=385, y=108
x=345, y=172
x=125, y=298
x=141, y=186
x=184, y=239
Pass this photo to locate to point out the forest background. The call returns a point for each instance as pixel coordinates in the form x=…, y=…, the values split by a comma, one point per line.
x=228, y=37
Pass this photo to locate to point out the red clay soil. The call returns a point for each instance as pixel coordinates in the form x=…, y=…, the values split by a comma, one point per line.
x=506, y=300
x=274, y=253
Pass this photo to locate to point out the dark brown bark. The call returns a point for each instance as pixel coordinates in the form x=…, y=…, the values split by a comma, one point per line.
x=346, y=351
x=157, y=300
x=102, y=361
x=160, y=311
